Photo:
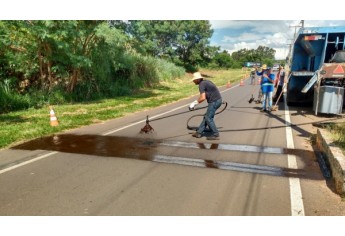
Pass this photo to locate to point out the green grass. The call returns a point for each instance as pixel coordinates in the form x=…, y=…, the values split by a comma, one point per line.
x=337, y=131
x=17, y=127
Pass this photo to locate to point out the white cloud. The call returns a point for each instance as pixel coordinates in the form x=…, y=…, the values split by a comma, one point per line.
x=233, y=35
x=235, y=24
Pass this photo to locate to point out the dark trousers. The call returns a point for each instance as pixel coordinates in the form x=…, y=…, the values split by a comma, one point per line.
x=209, y=118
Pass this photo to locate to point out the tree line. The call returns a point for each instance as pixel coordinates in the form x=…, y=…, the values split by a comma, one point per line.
x=46, y=62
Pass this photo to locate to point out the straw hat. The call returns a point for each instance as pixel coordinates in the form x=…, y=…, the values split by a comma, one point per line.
x=197, y=75
x=264, y=67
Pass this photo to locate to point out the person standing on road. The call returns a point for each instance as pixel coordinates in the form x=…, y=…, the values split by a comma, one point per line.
x=267, y=87
x=252, y=76
x=208, y=91
x=279, y=84
x=260, y=73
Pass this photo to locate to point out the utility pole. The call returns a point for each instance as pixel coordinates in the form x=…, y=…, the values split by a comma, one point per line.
x=290, y=48
x=300, y=25
x=288, y=61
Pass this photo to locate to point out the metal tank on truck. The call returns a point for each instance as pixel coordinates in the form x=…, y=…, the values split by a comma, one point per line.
x=313, y=49
x=329, y=86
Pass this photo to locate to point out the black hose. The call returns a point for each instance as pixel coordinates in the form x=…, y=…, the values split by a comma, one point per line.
x=195, y=128
x=188, y=127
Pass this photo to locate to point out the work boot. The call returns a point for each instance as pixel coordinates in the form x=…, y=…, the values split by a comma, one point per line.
x=213, y=137
x=197, y=135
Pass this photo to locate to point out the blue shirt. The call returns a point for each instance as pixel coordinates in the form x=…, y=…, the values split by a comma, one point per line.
x=266, y=85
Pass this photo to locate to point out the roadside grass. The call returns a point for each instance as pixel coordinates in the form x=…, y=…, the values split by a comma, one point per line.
x=21, y=126
x=337, y=131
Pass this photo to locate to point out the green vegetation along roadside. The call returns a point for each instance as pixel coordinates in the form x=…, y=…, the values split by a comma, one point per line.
x=21, y=126
x=337, y=131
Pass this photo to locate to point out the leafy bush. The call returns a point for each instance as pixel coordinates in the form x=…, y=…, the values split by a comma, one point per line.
x=167, y=70
x=12, y=101
x=78, y=61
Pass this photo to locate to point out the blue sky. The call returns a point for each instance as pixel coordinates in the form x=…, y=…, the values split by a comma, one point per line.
x=233, y=35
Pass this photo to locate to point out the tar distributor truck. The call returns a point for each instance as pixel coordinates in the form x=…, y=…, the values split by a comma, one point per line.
x=317, y=68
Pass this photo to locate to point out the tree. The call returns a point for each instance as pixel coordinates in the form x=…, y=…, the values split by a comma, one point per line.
x=223, y=60
x=262, y=54
x=265, y=52
x=81, y=60
x=46, y=52
x=183, y=42
x=192, y=42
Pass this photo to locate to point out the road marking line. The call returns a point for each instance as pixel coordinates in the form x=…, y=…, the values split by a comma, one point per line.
x=222, y=165
x=27, y=162
x=227, y=147
x=297, y=207
x=125, y=127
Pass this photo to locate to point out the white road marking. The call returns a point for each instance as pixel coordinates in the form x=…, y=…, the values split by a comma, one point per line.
x=297, y=207
x=125, y=127
x=27, y=162
x=222, y=165
x=227, y=147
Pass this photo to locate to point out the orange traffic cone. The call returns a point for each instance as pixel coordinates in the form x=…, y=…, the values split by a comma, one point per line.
x=228, y=85
x=53, y=119
x=241, y=83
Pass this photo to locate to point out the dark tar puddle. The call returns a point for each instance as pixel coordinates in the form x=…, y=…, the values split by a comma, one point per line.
x=94, y=145
x=147, y=149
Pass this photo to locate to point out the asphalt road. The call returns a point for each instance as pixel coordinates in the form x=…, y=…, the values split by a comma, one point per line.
x=263, y=165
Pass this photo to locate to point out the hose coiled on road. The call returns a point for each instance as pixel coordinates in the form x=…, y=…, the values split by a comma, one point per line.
x=195, y=128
